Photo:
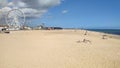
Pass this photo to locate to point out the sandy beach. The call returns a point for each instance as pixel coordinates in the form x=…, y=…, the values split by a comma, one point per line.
x=59, y=49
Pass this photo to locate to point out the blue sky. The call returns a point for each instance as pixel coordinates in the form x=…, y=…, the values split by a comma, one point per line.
x=83, y=14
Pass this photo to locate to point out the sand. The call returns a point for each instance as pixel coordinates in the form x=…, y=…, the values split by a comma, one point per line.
x=59, y=49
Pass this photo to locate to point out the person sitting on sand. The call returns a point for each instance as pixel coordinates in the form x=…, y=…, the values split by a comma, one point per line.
x=104, y=36
x=84, y=40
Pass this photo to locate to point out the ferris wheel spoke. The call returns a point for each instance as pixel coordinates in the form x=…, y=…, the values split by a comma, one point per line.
x=15, y=19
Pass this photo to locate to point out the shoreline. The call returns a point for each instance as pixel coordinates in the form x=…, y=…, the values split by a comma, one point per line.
x=75, y=30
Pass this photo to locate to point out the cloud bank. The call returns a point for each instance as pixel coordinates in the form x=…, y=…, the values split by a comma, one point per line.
x=3, y=3
x=31, y=8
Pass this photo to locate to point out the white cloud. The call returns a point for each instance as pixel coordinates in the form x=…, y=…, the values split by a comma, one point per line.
x=31, y=8
x=33, y=13
x=3, y=3
x=17, y=3
x=10, y=4
x=34, y=7
x=64, y=11
x=41, y=4
x=5, y=9
x=3, y=13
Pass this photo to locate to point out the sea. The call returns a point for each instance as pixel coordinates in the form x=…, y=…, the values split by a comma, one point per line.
x=109, y=31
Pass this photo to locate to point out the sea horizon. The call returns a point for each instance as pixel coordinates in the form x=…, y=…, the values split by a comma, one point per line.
x=109, y=31
x=104, y=30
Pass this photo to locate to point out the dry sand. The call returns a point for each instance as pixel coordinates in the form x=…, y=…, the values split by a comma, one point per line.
x=58, y=49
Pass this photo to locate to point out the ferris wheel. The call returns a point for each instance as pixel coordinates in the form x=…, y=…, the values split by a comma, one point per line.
x=15, y=19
